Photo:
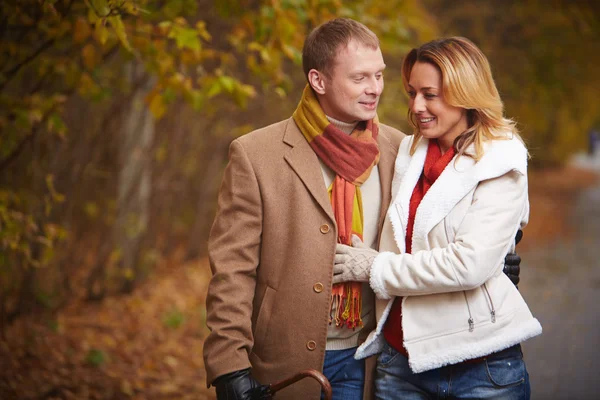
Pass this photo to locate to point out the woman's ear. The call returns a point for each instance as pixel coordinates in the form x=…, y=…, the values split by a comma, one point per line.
x=317, y=81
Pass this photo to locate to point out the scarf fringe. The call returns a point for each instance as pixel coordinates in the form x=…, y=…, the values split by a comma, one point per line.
x=346, y=304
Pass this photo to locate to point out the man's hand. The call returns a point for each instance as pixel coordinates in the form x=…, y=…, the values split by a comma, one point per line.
x=240, y=385
x=512, y=262
x=353, y=264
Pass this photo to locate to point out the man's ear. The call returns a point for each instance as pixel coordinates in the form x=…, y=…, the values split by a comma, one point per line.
x=317, y=81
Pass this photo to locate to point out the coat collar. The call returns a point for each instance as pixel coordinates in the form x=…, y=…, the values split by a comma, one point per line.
x=459, y=178
x=304, y=162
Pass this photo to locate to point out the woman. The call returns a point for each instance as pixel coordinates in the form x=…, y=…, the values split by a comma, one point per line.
x=449, y=321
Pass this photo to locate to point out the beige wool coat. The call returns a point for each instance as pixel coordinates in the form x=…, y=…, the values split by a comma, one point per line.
x=271, y=251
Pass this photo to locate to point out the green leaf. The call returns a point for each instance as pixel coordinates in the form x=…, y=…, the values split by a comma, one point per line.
x=185, y=38
x=96, y=357
x=214, y=89
x=169, y=95
x=197, y=99
x=227, y=83
x=173, y=319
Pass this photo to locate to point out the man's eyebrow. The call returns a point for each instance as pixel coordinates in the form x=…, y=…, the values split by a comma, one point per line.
x=362, y=72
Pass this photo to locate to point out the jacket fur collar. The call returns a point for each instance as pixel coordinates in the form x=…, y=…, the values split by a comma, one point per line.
x=460, y=177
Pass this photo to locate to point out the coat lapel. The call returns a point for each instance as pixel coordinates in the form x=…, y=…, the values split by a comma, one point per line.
x=456, y=181
x=387, y=155
x=407, y=171
x=304, y=162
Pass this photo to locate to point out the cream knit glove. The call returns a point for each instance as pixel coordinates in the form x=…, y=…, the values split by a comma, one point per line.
x=353, y=264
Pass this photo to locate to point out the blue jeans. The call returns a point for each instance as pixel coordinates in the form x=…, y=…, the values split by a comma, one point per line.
x=501, y=375
x=346, y=375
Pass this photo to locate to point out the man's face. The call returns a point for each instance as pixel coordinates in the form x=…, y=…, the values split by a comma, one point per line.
x=351, y=92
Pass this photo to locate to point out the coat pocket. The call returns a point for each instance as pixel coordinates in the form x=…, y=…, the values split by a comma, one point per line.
x=261, y=326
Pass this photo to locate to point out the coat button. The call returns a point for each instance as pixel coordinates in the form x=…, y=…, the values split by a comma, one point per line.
x=324, y=228
x=318, y=287
x=311, y=345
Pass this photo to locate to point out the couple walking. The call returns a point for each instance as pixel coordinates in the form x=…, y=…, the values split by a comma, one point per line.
x=383, y=260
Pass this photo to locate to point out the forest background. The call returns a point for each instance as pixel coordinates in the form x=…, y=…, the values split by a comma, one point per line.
x=115, y=120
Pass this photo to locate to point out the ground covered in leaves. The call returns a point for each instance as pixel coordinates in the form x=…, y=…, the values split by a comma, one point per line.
x=148, y=345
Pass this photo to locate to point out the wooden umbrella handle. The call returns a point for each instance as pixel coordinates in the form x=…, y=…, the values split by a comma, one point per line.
x=319, y=377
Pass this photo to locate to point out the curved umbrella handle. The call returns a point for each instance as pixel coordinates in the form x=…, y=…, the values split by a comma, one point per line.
x=319, y=377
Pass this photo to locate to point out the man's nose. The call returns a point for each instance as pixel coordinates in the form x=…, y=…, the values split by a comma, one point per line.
x=375, y=86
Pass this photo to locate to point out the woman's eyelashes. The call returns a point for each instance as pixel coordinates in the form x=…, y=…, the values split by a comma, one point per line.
x=427, y=95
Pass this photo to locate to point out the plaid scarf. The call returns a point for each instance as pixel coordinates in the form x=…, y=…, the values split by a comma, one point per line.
x=351, y=157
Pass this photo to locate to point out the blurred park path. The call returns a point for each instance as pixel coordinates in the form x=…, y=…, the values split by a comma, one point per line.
x=561, y=283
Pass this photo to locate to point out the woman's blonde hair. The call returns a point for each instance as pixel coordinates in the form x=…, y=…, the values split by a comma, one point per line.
x=467, y=82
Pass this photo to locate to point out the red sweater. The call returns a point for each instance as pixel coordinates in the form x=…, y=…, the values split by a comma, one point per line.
x=435, y=163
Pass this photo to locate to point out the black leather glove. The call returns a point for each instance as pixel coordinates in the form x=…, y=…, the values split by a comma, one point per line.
x=240, y=385
x=512, y=262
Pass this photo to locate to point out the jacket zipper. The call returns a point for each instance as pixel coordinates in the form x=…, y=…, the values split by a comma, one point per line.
x=490, y=303
x=470, y=321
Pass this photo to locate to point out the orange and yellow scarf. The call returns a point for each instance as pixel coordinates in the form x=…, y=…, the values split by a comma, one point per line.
x=351, y=157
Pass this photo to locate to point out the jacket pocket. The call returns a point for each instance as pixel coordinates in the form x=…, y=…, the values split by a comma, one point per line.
x=490, y=303
x=261, y=326
x=470, y=321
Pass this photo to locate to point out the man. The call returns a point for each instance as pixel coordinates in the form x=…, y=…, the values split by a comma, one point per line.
x=290, y=192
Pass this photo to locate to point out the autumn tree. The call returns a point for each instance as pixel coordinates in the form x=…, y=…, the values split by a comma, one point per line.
x=115, y=118
x=544, y=56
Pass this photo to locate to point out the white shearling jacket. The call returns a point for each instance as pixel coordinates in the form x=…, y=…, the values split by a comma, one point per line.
x=457, y=302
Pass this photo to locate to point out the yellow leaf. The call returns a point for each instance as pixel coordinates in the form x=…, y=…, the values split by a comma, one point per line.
x=280, y=92
x=254, y=46
x=86, y=85
x=117, y=24
x=109, y=341
x=168, y=388
x=164, y=27
x=201, y=28
x=128, y=273
x=126, y=388
x=101, y=31
x=91, y=209
x=157, y=106
x=35, y=115
x=171, y=361
x=100, y=6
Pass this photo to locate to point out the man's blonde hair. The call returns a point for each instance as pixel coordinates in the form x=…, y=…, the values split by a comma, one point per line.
x=467, y=83
x=323, y=43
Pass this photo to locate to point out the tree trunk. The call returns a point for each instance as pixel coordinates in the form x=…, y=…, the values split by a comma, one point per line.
x=215, y=158
x=134, y=182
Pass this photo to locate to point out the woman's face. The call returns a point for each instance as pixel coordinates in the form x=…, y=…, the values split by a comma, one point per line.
x=436, y=118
